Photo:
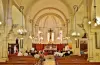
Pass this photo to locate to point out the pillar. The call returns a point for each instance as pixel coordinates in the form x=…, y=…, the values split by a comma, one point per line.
x=7, y=27
x=93, y=52
x=90, y=47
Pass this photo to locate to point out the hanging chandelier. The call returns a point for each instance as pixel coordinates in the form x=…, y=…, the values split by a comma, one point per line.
x=31, y=36
x=22, y=30
x=75, y=33
x=96, y=20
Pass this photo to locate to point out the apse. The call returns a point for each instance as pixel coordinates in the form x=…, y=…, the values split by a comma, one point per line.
x=50, y=22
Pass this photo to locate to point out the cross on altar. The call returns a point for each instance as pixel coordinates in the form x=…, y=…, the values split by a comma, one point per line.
x=50, y=31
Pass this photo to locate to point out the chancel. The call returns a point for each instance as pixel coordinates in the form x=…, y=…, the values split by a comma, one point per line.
x=49, y=32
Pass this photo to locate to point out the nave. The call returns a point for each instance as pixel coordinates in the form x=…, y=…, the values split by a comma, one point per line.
x=49, y=32
x=47, y=55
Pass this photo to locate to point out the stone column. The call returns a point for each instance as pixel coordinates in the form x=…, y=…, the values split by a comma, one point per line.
x=7, y=27
x=93, y=52
x=90, y=47
x=3, y=51
x=87, y=12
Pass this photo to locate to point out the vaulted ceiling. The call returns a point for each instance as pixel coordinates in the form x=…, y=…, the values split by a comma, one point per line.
x=32, y=7
x=28, y=4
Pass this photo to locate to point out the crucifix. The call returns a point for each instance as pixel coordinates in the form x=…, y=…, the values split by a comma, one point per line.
x=50, y=31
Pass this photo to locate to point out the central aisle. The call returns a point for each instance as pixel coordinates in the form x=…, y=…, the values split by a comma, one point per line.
x=49, y=60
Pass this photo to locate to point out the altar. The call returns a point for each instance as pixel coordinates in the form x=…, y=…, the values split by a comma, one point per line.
x=50, y=48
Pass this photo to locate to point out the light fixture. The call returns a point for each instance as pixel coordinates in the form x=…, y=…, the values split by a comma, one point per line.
x=58, y=38
x=66, y=38
x=22, y=30
x=75, y=38
x=41, y=38
x=96, y=20
x=89, y=22
x=39, y=32
x=95, y=24
x=0, y=22
x=75, y=33
x=21, y=38
x=31, y=36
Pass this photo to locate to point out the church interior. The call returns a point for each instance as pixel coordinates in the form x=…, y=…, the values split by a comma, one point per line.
x=49, y=32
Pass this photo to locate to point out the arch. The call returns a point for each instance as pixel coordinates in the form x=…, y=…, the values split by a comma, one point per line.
x=46, y=19
x=53, y=9
x=54, y=14
x=35, y=2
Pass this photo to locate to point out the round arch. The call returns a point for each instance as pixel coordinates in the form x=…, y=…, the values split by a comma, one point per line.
x=54, y=14
x=50, y=8
x=36, y=1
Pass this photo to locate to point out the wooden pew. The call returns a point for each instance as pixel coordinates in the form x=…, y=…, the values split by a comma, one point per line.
x=79, y=63
x=21, y=60
x=74, y=60
x=17, y=64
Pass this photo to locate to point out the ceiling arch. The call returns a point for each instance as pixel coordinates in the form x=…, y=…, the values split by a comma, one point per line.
x=51, y=8
x=28, y=4
x=54, y=14
x=65, y=3
x=45, y=20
